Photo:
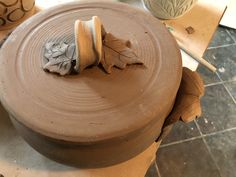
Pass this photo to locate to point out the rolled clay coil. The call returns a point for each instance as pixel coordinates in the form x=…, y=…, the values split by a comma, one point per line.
x=88, y=41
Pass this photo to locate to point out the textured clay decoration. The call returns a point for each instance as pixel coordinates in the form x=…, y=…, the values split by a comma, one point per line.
x=187, y=105
x=93, y=45
x=169, y=9
x=14, y=11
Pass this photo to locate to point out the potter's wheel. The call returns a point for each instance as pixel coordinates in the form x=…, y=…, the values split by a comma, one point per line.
x=91, y=119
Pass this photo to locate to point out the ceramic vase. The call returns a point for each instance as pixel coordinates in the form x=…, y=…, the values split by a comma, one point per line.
x=12, y=12
x=169, y=9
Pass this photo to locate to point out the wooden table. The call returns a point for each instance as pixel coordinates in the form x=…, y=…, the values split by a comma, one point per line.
x=204, y=19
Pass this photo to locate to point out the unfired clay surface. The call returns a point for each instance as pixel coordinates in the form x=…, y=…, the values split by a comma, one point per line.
x=91, y=119
x=59, y=57
x=93, y=45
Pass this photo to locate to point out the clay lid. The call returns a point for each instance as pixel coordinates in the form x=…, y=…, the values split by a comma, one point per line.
x=93, y=106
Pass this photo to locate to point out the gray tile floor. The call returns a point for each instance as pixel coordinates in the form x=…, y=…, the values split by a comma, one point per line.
x=207, y=146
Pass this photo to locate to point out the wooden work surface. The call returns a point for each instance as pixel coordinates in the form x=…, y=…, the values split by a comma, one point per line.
x=204, y=18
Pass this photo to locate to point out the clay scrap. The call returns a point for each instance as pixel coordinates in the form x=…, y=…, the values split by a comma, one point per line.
x=93, y=46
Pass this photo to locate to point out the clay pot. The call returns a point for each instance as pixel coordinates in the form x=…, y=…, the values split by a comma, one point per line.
x=12, y=12
x=93, y=119
x=169, y=9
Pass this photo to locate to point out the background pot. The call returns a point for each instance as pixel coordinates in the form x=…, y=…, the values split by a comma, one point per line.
x=12, y=12
x=169, y=9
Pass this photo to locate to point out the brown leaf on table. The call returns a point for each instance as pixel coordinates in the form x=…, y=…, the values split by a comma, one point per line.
x=117, y=52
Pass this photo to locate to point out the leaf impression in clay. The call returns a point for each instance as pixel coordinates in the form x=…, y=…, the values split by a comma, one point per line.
x=117, y=52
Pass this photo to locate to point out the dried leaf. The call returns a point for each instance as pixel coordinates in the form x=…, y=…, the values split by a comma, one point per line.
x=117, y=52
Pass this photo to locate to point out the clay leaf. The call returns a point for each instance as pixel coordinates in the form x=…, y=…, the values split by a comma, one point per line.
x=54, y=50
x=57, y=60
x=61, y=65
x=117, y=52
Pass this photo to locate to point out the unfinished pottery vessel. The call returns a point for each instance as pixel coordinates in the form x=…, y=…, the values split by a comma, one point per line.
x=12, y=12
x=169, y=9
x=93, y=119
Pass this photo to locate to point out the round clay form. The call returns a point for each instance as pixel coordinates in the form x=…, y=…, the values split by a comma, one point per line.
x=12, y=12
x=93, y=119
x=169, y=9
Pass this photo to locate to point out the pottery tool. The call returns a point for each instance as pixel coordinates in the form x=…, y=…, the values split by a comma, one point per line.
x=197, y=58
x=195, y=29
x=192, y=54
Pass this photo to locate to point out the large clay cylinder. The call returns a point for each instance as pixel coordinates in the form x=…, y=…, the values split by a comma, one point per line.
x=92, y=119
x=12, y=12
x=169, y=9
